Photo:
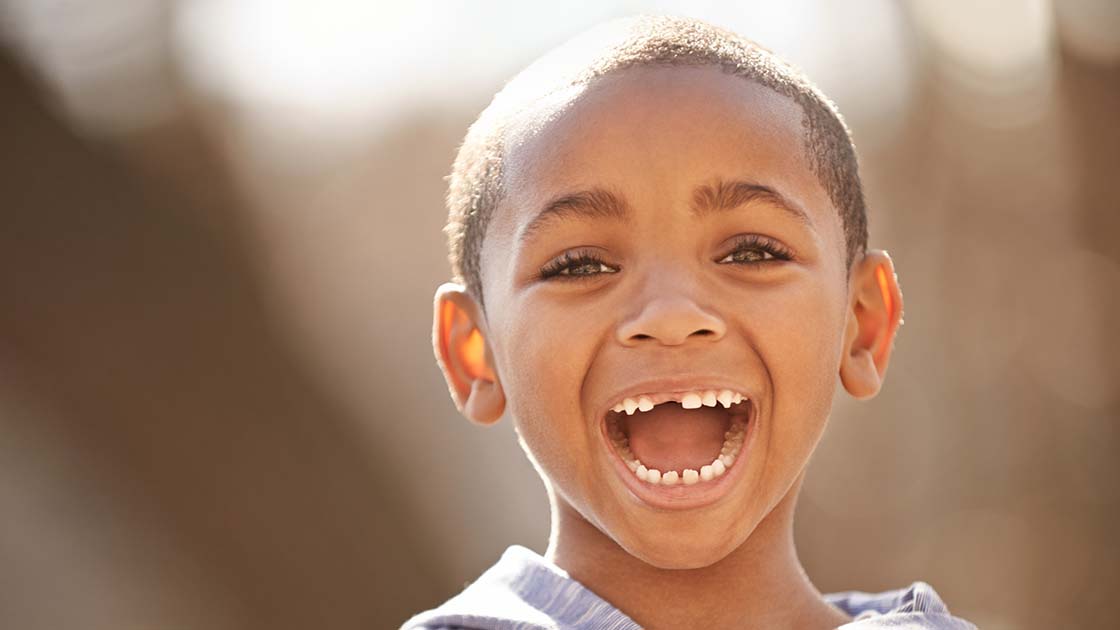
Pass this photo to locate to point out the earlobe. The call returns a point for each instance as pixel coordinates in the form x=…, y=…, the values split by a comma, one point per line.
x=874, y=315
x=461, y=349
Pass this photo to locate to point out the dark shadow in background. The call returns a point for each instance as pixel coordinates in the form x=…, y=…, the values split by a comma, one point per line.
x=215, y=470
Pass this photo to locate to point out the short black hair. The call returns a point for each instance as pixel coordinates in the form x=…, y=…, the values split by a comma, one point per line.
x=476, y=180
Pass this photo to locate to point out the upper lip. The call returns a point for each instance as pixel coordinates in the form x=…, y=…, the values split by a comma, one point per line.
x=673, y=385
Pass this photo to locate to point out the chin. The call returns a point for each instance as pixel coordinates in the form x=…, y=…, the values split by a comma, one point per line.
x=668, y=552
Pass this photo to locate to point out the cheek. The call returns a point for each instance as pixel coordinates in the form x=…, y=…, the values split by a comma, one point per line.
x=546, y=349
x=799, y=335
x=556, y=338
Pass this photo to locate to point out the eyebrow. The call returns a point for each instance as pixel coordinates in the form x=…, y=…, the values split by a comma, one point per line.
x=722, y=196
x=707, y=199
x=596, y=203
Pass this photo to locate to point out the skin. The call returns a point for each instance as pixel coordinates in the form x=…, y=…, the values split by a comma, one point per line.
x=665, y=301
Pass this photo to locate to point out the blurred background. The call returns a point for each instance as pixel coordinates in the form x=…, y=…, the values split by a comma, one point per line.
x=220, y=231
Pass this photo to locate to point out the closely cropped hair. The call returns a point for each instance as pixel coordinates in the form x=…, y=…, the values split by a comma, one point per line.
x=476, y=181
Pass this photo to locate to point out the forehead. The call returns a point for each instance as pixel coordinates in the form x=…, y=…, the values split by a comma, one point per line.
x=693, y=115
x=653, y=134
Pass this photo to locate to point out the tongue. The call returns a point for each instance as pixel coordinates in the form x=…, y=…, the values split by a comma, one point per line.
x=669, y=437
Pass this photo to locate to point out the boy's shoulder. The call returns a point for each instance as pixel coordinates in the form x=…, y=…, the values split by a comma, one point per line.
x=525, y=591
x=915, y=606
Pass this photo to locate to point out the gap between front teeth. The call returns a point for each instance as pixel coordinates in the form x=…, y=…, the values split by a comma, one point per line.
x=732, y=444
x=691, y=400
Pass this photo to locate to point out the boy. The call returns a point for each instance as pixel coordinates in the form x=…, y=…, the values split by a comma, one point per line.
x=659, y=238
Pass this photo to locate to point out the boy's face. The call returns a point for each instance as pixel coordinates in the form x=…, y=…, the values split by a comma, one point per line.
x=663, y=292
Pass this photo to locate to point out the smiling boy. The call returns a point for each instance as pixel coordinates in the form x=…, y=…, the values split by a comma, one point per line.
x=659, y=240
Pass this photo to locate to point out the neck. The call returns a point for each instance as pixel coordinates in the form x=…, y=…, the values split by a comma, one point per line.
x=760, y=584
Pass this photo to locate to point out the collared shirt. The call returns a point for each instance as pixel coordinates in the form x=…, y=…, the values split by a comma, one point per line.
x=523, y=591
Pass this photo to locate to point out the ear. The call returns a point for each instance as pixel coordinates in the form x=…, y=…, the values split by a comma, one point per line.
x=874, y=315
x=464, y=355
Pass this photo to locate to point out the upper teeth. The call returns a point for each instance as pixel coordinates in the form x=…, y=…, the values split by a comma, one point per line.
x=688, y=400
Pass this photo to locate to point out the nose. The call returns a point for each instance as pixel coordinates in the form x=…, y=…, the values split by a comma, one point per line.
x=671, y=318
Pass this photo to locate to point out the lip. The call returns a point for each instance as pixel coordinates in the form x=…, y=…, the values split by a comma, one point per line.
x=682, y=497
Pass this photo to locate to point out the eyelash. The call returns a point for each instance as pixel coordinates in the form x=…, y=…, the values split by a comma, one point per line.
x=571, y=259
x=749, y=242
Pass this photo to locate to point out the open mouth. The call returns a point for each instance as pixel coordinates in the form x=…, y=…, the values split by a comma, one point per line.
x=679, y=438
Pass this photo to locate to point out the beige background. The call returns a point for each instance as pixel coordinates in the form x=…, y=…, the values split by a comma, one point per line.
x=218, y=403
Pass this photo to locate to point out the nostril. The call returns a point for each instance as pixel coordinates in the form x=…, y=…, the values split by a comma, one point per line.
x=696, y=333
x=670, y=321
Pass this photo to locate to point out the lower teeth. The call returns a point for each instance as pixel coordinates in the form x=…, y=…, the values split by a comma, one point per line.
x=732, y=443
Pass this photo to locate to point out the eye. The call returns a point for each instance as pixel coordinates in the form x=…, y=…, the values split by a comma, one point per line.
x=754, y=250
x=576, y=266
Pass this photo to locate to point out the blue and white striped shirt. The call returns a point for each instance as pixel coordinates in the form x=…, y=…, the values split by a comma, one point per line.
x=523, y=591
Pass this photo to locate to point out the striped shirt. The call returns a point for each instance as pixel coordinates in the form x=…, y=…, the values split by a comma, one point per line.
x=523, y=591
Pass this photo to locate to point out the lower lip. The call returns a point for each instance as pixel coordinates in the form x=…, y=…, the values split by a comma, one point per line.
x=680, y=496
